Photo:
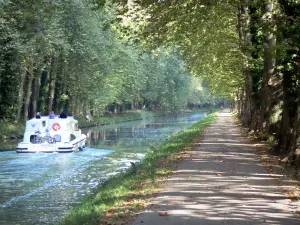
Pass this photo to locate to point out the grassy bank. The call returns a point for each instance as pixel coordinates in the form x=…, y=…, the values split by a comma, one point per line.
x=11, y=130
x=132, y=115
x=16, y=130
x=121, y=196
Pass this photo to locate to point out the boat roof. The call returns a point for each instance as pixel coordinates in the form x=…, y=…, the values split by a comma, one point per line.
x=69, y=118
x=45, y=122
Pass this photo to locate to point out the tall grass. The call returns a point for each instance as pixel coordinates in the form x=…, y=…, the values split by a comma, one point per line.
x=125, y=193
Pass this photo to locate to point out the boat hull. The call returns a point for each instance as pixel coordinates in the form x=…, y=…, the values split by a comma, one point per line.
x=73, y=146
x=44, y=151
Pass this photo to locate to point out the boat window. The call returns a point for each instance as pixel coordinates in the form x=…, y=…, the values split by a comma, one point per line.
x=76, y=126
x=72, y=137
x=43, y=123
x=33, y=139
x=57, y=137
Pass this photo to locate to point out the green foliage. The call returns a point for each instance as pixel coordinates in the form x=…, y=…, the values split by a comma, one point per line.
x=66, y=55
x=205, y=32
x=233, y=46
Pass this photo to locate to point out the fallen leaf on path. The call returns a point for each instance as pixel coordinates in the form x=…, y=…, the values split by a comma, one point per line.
x=105, y=223
x=120, y=222
x=294, y=195
x=163, y=214
x=172, y=203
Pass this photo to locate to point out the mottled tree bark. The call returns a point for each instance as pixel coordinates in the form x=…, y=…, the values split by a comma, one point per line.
x=290, y=115
x=20, y=92
x=289, y=127
x=35, y=92
x=245, y=42
x=265, y=93
x=27, y=95
x=52, y=81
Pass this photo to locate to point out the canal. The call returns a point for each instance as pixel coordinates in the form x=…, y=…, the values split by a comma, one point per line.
x=42, y=188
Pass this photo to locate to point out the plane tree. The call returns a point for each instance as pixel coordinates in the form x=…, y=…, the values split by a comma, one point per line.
x=246, y=51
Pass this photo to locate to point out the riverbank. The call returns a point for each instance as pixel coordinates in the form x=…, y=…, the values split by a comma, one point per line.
x=126, y=193
x=11, y=133
x=132, y=116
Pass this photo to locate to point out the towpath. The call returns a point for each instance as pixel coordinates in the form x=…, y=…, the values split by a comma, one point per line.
x=223, y=182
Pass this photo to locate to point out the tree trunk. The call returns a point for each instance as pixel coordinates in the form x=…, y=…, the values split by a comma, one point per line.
x=237, y=103
x=72, y=104
x=27, y=95
x=35, y=92
x=52, y=82
x=269, y=66
x=87, y=108
x=248, y=100
x=21, y=92
x=43, y=93
x=245, y=43
x=288, y=135
x=289, y=121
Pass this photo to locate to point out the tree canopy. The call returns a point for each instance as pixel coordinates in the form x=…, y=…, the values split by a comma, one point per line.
x=68, y=55
x=243, y=50
x=88, y=56
x=204, y=30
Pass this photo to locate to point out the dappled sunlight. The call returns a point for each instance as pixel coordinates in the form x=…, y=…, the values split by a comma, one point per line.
x=222, y=182
x=227, y=144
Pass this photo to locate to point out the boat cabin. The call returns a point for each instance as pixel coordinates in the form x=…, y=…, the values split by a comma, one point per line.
x=62, y=130
x=56, y=134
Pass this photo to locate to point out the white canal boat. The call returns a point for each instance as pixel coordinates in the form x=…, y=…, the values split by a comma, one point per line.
x=52, y=135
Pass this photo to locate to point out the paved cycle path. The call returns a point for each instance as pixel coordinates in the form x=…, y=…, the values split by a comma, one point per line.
x=222, y=182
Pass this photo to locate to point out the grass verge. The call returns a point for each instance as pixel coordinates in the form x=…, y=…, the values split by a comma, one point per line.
x=122, y=195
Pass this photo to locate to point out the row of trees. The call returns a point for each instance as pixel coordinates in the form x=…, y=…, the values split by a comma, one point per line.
x=66, y=55
x=86, y=56
x=246, y=50
x=269, y=36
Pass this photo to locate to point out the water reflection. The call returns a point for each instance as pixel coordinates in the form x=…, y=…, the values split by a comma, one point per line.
x=42, y=188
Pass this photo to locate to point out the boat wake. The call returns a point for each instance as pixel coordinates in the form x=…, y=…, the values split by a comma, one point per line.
x=61, y=178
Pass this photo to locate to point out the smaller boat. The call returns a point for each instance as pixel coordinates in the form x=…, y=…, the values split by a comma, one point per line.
x=52, y=135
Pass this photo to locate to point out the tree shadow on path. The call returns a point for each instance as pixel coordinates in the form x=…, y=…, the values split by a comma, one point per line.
x=222, y=183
